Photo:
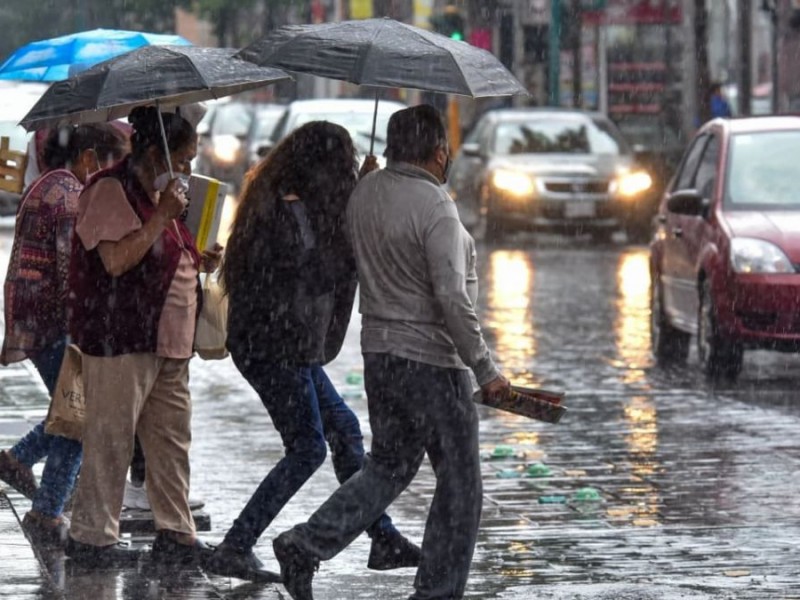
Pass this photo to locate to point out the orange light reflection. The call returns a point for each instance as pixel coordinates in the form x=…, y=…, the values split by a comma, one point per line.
x=632, y=326
x=509, y=313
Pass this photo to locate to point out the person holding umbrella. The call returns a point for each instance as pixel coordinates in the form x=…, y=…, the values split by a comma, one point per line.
x=420, y=335
x=291, y=281
x=134, y=284
x=36, y=295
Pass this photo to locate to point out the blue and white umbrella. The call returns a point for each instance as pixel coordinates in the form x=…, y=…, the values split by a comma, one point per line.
x=59, y=58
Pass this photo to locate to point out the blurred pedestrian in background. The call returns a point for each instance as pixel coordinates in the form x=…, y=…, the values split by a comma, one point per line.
x=134, y=296
x=420, y=335
x=291, y=280
x=36, y=309
x=718, y=104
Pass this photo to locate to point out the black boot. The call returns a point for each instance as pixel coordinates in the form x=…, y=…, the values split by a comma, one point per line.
x=242, y=564
x=390, y=550
x=169, y=552
x=297, y=568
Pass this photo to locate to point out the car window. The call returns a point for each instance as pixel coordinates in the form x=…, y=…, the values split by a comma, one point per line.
x=476, y=133
x=231, y=119
x=762, y=170
x=265, y=125
x=689, y=167
x=554, y=135
x=357, y=123
x=707, y=171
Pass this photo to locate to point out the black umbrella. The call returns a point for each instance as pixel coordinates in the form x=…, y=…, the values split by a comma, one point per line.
x=385, y=53
x=163, y=76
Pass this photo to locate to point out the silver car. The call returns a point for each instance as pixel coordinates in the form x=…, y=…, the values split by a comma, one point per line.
x=555, y=170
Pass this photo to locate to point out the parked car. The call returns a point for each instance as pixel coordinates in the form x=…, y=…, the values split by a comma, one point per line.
x=546, y=170
x=355, y=115
x=725, y=260
x=259, y=136
x=222, y=151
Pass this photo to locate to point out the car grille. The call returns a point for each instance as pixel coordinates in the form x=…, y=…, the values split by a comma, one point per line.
x=577, y=187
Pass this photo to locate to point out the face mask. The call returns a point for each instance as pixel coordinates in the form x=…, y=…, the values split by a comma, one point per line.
x=161, y=181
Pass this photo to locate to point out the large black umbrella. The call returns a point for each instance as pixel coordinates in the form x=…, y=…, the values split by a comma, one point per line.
x=385, y=53
x=164, y=76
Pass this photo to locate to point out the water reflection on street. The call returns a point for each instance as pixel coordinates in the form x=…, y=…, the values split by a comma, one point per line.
x=656, y=484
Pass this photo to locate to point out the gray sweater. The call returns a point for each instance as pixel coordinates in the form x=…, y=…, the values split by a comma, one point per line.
x=416, y=272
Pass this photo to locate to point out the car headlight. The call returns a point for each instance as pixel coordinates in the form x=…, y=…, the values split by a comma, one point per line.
x=630, y=185
x=513, y=182
x=749, y=255
x=226, y=148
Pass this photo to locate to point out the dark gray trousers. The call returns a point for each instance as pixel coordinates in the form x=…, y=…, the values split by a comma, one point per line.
x=414, y=408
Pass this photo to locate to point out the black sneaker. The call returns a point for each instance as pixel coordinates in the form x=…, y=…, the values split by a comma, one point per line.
x=168, y=551
x=392, y=551
x=100, y=556
x=297, y=568
x=242, y=564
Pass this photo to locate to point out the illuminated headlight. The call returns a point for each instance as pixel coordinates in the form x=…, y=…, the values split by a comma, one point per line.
x=757, y=256
x=226, y=148
x=629, y=185
x=512, y=182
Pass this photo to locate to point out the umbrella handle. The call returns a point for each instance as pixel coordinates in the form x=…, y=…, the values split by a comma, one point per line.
x=164, y=139
x=374, y=121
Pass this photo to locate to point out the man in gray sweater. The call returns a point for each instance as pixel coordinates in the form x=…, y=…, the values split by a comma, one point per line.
x=420, y=335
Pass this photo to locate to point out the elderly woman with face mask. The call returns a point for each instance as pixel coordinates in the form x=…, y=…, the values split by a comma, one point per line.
x=134, y=284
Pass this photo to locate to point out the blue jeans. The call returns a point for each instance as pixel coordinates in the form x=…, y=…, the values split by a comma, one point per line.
x=63, y=455
x=307, y=411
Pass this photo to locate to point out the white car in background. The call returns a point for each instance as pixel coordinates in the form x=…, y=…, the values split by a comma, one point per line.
x=355, y=115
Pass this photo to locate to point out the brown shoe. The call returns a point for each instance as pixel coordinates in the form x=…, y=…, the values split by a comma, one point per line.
x=43, y=530
x=17, y=475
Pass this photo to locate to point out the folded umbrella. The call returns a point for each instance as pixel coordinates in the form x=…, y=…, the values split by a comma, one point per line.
x=57, y=58
x=385, y=53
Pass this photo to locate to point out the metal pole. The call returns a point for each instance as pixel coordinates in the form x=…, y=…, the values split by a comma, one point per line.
x=745, y=62
x=374, y=122
x=554, y=52
x=577, y=51
x=775, y=69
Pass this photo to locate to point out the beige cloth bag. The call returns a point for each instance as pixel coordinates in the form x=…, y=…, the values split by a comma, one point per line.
x=68, y=404
x=212, y=322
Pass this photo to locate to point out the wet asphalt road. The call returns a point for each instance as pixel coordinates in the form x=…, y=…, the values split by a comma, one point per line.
x=692, y=492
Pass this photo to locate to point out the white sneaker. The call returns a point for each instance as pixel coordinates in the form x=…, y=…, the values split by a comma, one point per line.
x=135, y=498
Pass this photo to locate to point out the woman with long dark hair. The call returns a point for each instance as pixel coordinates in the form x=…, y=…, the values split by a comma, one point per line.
x=290, y=276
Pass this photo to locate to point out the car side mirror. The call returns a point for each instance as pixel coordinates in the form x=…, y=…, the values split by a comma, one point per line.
x=264, y=149
x=471, y=149
x=688, y=202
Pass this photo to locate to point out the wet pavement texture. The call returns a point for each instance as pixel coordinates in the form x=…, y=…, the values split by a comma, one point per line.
x=655, y=485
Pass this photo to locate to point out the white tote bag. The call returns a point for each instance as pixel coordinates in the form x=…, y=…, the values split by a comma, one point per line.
x=212, y=322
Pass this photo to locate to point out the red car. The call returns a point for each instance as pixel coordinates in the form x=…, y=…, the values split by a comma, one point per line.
x=725, y=257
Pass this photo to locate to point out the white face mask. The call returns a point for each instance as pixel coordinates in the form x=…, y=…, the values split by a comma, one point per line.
x=161, y=181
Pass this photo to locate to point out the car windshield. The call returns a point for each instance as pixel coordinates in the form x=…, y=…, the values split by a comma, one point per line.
x=762, y=170
x=231, y=119
x=358, y=124
x=561, y=136
x=265, y=125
